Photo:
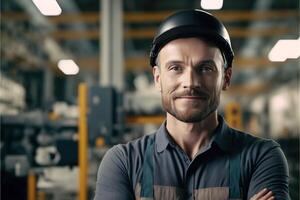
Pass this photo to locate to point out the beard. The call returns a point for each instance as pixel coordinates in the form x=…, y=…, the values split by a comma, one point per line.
x=193, y=112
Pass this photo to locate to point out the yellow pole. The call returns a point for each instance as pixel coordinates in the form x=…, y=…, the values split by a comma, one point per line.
x=233, y=115
x=31, y=187
x=41, y=195
x=83, y=141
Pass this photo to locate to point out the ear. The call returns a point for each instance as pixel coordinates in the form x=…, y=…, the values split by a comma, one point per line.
x=227, y=78
x=156, y=77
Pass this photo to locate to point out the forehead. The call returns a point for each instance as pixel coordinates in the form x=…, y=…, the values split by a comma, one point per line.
x=188, y=49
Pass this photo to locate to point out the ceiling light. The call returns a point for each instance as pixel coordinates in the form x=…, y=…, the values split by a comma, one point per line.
x=285, y=49
x=68, y=67
x=48, y=7
x=212, y=4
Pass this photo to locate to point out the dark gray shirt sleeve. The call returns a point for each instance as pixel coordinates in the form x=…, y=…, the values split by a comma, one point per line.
x=269, y=170
x=112, y=180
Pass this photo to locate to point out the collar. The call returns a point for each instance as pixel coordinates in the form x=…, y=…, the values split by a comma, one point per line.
x=221, y=137
x=161, y=139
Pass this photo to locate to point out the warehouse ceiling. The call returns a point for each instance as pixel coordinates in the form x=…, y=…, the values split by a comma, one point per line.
x=33, y=42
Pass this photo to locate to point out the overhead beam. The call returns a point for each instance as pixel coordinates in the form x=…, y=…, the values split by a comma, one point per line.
x=157, y=16
x=149, y=33
x=247, y=89
x=224, y=16
x=237, y=15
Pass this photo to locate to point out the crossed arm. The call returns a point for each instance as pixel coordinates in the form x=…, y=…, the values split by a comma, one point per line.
x=270, y=172
x=264, y=194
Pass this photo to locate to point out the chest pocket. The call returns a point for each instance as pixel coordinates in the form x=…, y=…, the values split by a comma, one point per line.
x=149, y=191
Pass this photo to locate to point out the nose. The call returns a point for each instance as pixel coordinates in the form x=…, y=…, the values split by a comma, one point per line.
x=191, y=79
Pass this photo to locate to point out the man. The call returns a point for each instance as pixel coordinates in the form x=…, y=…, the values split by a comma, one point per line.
x=194, y=154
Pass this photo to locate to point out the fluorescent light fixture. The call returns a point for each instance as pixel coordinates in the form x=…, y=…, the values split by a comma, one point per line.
x=68, y=67
x=285, y=49
x=212, y=4
x=48, y=7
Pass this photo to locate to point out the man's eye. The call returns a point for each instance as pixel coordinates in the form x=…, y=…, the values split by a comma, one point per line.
x=205, y=69
x=175, y=68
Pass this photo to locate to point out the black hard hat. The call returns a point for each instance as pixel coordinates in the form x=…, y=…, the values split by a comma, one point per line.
x=192, y=23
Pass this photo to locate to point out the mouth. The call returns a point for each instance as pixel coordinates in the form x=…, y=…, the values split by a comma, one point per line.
x=192, y=97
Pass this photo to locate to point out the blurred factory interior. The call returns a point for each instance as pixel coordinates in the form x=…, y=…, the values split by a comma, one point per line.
x=77, y=81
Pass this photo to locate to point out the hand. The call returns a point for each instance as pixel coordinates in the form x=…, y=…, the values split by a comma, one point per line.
x=264, y=194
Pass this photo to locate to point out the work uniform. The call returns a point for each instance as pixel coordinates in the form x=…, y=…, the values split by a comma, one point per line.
x=233, y=165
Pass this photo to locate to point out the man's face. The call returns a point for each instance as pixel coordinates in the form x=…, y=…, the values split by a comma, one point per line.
x=190, y=77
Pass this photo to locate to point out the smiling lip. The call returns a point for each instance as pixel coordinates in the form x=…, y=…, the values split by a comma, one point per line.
x=191, y=97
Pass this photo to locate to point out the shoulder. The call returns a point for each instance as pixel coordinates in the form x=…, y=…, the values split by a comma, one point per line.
x=257, y=152
x=128, y=154
x=248, y=142
x=133, y=148
x=125, y=158
x=263, y=165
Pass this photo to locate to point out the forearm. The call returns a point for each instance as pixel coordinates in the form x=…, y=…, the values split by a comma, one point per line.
x=270, y=171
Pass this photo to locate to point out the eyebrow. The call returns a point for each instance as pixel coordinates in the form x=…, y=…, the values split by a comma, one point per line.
x=212, y=62
x=209, y=61
x=172, y=62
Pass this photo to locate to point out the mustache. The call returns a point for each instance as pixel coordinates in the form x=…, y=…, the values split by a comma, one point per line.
x=192, y=92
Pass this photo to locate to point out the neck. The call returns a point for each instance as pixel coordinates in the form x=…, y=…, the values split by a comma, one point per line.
x=192, y=136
